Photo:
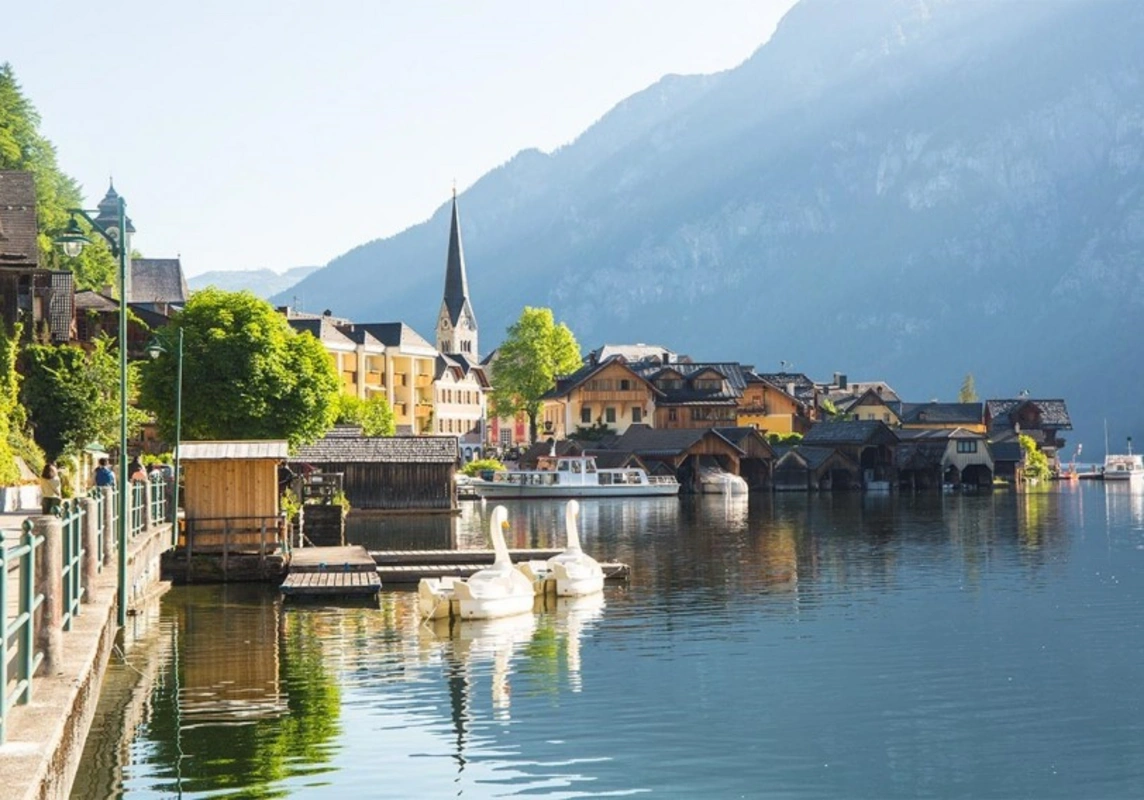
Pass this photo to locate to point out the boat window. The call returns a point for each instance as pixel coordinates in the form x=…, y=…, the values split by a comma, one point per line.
x=562, y=466
x=605, y=479
x=576, y=467
x=589, y=466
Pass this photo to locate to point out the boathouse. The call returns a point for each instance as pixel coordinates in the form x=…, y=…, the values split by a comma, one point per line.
x=929, y=459
x=231, y=495
x=679, y=452
x=806, y=468
x=870, y=443
x=386, y=473
x=758, y=454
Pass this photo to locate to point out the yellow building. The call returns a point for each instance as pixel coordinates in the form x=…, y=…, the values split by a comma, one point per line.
x=872, y=404
x=770, y=408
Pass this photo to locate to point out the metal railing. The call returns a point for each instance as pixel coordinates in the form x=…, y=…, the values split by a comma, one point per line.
x=71, y=514
x=138, y=498
x=158, y=498
x=16, y=674
x=96, y=494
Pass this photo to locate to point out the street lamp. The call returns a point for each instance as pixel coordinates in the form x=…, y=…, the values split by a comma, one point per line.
x=72, y=241
x=154, y=350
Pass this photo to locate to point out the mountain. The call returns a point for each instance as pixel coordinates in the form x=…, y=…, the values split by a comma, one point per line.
x=907, y=190
x=263, y=282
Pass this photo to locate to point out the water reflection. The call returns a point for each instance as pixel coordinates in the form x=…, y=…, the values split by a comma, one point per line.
x=1124, y=504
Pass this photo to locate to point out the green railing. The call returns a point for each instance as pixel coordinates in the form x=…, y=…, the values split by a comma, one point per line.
x=100, y=523
x=138, y=498
x=16, y=674
x=158, y=491
x=71, y=514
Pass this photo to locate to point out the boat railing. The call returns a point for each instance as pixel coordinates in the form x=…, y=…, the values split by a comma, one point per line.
x=661, y=479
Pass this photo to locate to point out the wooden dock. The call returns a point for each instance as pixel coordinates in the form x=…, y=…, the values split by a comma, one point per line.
x=331, y=572
x=404, y=567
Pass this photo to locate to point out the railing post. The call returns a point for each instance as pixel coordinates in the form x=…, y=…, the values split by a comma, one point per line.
x=49, y=583
x=90, y=546
x=145, y=497
x=108, y=525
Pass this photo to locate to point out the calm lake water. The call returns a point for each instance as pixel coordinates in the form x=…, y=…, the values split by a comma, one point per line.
x=790, y=647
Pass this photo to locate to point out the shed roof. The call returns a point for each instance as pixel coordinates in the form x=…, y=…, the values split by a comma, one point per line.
x=645, y=441
x=157, y=280
x=252, y=450
x=348, y=449
x=943, y=413
x=18, y=243
x=1054, y=413
x=850, y=432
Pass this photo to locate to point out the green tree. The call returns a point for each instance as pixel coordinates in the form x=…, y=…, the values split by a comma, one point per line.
x=72, y=395
x=536, y=350
x=22, y=147
x=1036, y=469
x=9, y=403
x=968, y=392
x=373, y=415
x=246, y=374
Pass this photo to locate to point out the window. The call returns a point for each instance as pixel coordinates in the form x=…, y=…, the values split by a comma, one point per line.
x=671, y=415
x=586, y=415
x=625, y=385
x=637, y=414
x=967, y=446
x=669, y=384
x=506, y=436
x=708, y=384
x=609, y=415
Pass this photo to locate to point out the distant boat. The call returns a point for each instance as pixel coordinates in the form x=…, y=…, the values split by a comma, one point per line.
x=1128, y=467
x=713, y=480
x=574, y=476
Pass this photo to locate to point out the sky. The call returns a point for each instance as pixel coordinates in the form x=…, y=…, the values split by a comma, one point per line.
x=247, y=134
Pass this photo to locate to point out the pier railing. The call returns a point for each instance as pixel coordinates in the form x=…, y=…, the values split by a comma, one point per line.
x=17, y=623
x=48, y=576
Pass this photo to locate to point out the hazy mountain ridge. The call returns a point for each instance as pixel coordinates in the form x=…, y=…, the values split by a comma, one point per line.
x=262, y=282
x=906, y=190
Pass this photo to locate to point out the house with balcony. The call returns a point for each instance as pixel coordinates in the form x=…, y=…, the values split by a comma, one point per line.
x=870, y=404
x=771, y=408
x=459, y=399
x=410, y=366
x=606, y=393
x=341, y=348
x=1040, y=420
x=695, y=396
x=930, y=458
x=936, y=416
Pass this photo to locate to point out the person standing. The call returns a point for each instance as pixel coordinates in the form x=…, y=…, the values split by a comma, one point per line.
x=104, y=474
x=136, y=471
x=51, y=489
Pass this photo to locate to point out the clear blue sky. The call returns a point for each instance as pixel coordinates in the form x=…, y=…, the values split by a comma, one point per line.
x=250, y=133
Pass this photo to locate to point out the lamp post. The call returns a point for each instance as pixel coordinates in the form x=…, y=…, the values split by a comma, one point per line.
x=72, y=241
x=154, y=350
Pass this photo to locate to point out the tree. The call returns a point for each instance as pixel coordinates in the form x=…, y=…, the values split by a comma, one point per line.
x=246, y=374
x=527, y=363
x=9, y=403
x=1036, y=469
x=72, y=395
x=373, y=415
x=968, y=392
x=22, y=147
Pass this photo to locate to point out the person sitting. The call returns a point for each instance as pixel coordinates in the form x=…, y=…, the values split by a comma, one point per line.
x=104, y=475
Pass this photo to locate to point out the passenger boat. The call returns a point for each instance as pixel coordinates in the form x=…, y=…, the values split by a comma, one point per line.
x=496, y=591
x=1128, y=467
x=574, y=476
x=572, y=573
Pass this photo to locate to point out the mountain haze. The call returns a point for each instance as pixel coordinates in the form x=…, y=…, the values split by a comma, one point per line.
x=262, y=282
x=900, y=190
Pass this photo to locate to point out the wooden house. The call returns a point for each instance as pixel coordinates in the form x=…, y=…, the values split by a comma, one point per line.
x=758, y=454
x=869, y=443
x=607, y=394
x=387, y=473
x=1040, y=420
x=679, y=452
x=231, y=494
x=929, y=459
x=808, y=468
x=943, y=416
x=772, y=408
x=871, y=405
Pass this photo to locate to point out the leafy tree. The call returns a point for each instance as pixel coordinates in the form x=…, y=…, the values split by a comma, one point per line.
x=22, y=147
x=9, y=403
x=1036, y=462
x=72, y=395
x=784, y=438
x=968, y=392
x=373, y=415
x=527, y=363
x=478, y=465
x=246, y=374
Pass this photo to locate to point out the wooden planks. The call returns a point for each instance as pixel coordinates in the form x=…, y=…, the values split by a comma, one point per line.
x=331, y=572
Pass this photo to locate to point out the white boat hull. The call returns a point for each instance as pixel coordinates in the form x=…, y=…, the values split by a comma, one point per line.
x=514, y=491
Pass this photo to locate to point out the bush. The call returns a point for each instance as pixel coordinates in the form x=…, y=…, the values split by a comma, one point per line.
x=480, y=465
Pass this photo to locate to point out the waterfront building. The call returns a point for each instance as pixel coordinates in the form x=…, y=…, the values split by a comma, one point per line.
x=1041, y=420
x=930, y=458
x=605, y=394
x=772, y=407
x=868, y=443
x=943, y=416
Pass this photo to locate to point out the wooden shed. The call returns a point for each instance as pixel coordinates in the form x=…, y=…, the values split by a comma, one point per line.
x=231, y=494
x=387, y=473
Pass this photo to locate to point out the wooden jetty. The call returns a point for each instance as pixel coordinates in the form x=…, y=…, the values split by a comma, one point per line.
x=396, y=567
x=331, y=572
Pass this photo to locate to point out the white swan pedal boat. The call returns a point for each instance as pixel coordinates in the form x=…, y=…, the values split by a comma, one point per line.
x=572, y=573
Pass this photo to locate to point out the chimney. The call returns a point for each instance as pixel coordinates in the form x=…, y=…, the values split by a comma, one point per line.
x=840, y=380
x=790, y=388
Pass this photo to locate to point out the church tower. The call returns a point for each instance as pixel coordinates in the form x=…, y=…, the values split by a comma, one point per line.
x=456, y=325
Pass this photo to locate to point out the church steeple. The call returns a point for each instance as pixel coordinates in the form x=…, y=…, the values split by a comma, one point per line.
x=457, y=325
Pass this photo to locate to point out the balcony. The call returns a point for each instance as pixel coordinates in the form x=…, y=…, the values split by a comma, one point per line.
x=424, y=380
x=374, y=378
x=424, y=409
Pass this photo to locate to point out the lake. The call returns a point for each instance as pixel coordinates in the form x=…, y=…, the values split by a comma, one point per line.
x=792, y=646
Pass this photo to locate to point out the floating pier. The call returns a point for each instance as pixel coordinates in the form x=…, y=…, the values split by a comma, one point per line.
x=328, y=572
x=410, y=566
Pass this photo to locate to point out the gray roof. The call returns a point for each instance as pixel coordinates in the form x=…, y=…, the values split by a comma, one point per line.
x=566, y=383
x=943, y=413
x=938, y=434
x=734, y=381
x=850, y=432
x=814, y=457
x=256, y=449
x=322, y=329
x=18, y=244
x=646, y=441
x=634, y=352
x=345, y=448
x=390, y=334
x=1054, y=413
x=88, y=300
x=804, y=388
x=157, y=280
x=456, y=281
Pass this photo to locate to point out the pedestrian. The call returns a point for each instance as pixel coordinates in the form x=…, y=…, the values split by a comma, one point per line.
x=51, y=489
x=104, y=474
x=136, y=471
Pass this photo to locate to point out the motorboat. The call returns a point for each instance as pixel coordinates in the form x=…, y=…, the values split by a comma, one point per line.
x=496, y=591
x=573, y=572
x=713, y=480
x=574, y=476
x=1128, y=467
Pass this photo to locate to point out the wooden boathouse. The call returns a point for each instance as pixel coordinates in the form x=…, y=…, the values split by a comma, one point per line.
x=387, y=473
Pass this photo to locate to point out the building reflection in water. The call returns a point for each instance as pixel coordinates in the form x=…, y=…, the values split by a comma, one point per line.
x=1124, y=504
